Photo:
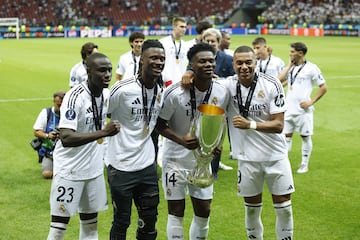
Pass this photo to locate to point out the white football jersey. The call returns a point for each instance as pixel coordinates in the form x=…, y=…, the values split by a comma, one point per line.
x=302, y=86
x=272, y=66
x=268, y=98
x=128, y=65
x=174, y=69
x=178, y=112
x=132, y=148
x=76, y=112
x=78, y=74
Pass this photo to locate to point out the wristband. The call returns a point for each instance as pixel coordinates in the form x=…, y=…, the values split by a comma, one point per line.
x=46, y=136
x=252, y=125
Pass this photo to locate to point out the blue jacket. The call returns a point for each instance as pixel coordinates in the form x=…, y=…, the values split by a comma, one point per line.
x=224, y=64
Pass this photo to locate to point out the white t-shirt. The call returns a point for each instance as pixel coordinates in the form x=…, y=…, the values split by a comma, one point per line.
x=128, y=65
x=178, y=112
x=78, y=74
x=174, y=69
x=132, y=148
x=229, y=52
x=272, y=66
x=42, y=121
x=268, y=98
x=76, y=112
x=302, y=87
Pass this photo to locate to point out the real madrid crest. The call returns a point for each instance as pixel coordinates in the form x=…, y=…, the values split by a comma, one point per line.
x=214, y=100
x=261, y=94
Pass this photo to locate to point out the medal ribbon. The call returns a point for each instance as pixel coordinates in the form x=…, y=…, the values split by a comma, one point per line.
x=267, y=63
x=145, y=101
x=244, y=110
x=193, y=98
x=177, y=52
x=135, y=63
x=96, y=112
x=292, y=79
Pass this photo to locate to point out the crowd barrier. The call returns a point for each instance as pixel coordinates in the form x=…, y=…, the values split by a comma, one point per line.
x=121, y=32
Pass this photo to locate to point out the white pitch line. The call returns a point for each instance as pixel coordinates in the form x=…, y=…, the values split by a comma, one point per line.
x=23, y=100
x=342, y=77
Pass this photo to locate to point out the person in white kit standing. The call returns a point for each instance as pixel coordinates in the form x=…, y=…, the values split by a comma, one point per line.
x=78, y=72
x=266, y=62
x=128, y=64
x=256, y=114
x=300, y=76
x=78, y=183
x=175, y=49
x=132, y=171
x=180, y=107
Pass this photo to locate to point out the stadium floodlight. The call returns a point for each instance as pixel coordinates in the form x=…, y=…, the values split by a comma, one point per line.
x=11, y=22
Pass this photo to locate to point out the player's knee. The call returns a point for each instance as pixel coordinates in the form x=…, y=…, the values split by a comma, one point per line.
x=147, y=209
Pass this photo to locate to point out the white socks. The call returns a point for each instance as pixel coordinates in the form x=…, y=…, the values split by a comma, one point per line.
x=284, y=220
x=199, y=228
x=174, y=227
x=57, y=231
x=254, y=226
x=306, y=150
x=88, y=229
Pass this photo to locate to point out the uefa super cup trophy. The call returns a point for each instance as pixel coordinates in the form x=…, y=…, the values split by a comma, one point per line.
x=209, y=127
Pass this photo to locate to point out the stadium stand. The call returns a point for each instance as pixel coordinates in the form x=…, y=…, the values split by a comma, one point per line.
x=112, y=12
x=139, y=12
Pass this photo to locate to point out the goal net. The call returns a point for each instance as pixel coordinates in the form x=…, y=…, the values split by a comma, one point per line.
x=11, y=22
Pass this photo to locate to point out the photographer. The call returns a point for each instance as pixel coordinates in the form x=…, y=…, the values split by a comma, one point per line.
x=45, y=130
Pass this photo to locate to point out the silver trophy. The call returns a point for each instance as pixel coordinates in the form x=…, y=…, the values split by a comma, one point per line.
x=209, y=127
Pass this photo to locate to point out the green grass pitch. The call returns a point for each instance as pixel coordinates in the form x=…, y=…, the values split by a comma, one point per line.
x=326, y=204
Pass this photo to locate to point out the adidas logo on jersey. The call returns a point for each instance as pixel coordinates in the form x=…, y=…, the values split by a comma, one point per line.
x=136, y=101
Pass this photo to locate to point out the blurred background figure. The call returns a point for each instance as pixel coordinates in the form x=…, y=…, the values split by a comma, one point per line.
x=78, y=72
x=45, y=129
x=128, y=64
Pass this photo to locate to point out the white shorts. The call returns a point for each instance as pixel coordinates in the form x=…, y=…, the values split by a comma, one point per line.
x=276, y=174
x=84, y=196
x=176, y=185
x=303, y=124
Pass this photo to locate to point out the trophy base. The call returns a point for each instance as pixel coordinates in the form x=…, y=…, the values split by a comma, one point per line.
x=201, y=182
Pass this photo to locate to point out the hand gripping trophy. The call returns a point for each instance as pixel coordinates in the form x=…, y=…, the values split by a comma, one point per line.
x=209, y=127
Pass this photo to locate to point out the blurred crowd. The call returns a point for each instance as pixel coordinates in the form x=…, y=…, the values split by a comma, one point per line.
x=312, y=12
x=115, y=12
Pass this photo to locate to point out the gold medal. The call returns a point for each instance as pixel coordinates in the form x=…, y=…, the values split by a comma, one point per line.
x=291, y=87
x=177, y=61
x=146, y=131
x=100, y=140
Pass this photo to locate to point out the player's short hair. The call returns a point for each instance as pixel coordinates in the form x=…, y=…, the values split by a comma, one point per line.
x=199, y=47
x=87, y=49
x=202, y=26
x=212, y=31
x=151, y=43
x=135, y=35
x=299, y=46
x=59, y=94
x=224, y=33
x=259, y=40
x=244, y=49
x=93, y=57
x=178, y=19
